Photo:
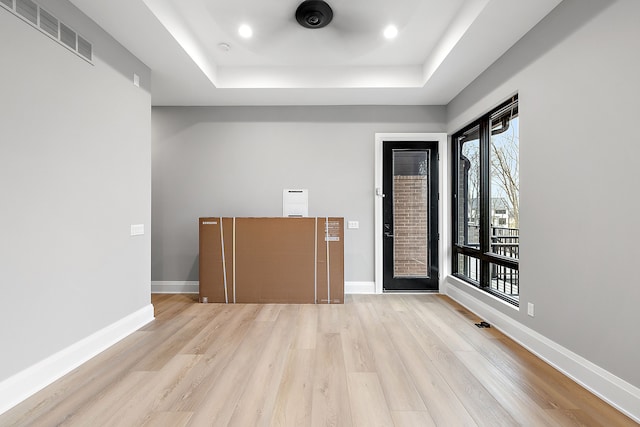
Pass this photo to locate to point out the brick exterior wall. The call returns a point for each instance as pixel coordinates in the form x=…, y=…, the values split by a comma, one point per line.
x=410, y=220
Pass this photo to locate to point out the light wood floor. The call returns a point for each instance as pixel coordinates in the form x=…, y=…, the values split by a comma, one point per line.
x=377, y=360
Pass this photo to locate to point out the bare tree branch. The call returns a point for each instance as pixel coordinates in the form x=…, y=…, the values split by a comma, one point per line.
x=505, y=170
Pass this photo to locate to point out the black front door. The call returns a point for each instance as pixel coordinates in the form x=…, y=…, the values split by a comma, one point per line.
x=410, y=216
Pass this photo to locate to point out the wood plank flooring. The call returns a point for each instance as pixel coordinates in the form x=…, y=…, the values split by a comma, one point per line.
x=377, y=360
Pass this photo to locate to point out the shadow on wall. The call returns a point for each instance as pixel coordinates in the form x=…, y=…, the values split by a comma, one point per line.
x=190, y=116
x=194, y=273
x=105, y=48
x=567, y=18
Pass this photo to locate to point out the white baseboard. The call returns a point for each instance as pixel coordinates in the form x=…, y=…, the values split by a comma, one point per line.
x=20, y=386
x=618, y=393
x=175, y=287
x=182, y=287
x=359, y=287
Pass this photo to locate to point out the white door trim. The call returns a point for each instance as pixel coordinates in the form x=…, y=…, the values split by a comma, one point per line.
x=443, y=206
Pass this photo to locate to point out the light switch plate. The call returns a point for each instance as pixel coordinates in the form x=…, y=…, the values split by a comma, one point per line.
x=530, y=309
x=353, y=224
x=137, y=229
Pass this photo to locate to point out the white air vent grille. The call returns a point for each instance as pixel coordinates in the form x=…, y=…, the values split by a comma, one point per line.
x=28, y=10
x=48, y=24
x=68, y=36
x=84, y=48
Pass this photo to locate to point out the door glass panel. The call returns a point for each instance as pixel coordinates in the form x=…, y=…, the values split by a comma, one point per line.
x=469, y=189
x=505, y=183
x=410, y=213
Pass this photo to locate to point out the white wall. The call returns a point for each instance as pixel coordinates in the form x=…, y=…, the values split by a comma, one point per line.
x=236, y=161
x=74, y=175
x=577, y=76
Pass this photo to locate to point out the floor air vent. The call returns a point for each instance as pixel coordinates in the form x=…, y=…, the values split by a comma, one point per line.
x=32, y=13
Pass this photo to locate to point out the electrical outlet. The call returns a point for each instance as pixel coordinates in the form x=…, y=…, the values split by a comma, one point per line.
x=530, y=309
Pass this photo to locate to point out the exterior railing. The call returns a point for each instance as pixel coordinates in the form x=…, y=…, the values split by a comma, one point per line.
x=504, y=242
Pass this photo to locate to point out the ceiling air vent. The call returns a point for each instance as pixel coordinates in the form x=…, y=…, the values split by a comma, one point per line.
x=8, y=3
x=67, y=36
x=48, y=23
x=28, y=10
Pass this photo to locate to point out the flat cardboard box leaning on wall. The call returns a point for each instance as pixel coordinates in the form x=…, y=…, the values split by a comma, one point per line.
x=272, y=260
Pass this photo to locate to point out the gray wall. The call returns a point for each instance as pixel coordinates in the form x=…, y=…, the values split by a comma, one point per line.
x=75, y=148
x=236, y=162
x=577, y=75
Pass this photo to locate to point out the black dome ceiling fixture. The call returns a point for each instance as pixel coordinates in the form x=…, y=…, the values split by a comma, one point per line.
x=314, y=14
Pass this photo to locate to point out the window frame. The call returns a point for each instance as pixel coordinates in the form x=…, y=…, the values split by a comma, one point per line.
x=483, y=254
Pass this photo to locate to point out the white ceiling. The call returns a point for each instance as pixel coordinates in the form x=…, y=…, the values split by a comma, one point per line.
x=441, y=47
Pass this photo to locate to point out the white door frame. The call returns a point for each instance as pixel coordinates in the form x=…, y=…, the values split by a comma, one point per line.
x=443, y=206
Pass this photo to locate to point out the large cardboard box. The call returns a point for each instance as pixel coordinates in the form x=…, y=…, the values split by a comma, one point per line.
x=272, y=260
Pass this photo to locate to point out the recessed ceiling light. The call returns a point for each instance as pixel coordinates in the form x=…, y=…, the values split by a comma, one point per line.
x=245, y=31
x=391, y=32
x=224, y=46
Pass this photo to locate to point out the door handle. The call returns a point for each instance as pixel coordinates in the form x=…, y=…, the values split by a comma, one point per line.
x=387, y=234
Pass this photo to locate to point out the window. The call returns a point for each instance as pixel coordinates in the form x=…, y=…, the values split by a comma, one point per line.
x=486, y=202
